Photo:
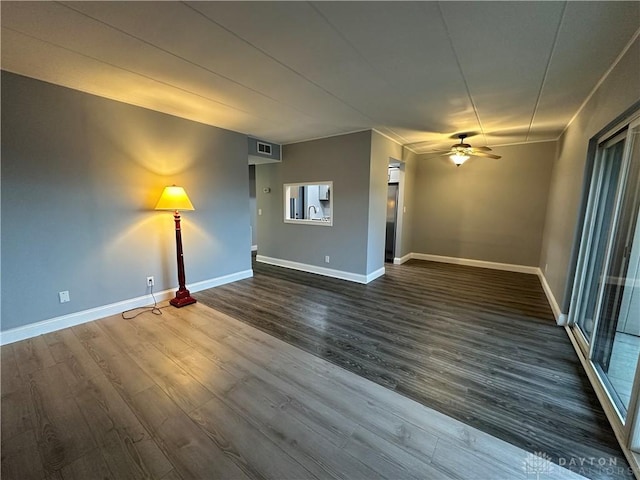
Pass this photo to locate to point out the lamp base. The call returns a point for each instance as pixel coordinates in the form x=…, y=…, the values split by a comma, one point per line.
x=183, y=298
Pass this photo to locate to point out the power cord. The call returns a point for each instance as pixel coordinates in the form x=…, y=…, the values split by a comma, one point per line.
x=156, y=310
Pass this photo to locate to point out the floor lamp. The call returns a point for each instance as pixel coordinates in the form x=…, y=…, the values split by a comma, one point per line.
x=175, y=198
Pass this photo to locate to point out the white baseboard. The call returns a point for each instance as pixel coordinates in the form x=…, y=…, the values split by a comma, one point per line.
x=217, y=281
x=401, y=260
x=77, y=318
x=254, y=248
x=475, y=263
x=561, y=318
x=327, y=272
x=373, y=275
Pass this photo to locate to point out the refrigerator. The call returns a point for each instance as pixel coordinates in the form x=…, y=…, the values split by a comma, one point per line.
x=392, y=219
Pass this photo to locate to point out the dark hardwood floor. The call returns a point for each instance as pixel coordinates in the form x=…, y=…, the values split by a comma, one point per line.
x=478, y=345
x=196, y=394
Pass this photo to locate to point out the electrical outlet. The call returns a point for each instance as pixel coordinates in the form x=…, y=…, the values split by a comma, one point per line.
x=64, y=296
x=326, y=259
x=150, y=282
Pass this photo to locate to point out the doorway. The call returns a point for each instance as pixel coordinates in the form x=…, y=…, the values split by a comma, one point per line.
x=605, y=306
x=393, y=190
x=253, y=209
x=392, y=220
x=616, y=340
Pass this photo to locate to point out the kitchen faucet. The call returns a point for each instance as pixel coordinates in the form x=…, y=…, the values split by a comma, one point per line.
x=315, y=210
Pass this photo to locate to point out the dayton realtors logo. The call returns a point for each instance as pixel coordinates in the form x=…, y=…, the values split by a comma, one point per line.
x=539, y=465
x=588, y=466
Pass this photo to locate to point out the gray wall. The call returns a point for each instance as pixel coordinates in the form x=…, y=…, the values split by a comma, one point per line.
x=80, y=177
x=345, y=160
x=382, y=150
x=490, y=210
x=618, y=92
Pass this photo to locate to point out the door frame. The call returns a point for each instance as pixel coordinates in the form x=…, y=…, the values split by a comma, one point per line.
x=628, y=430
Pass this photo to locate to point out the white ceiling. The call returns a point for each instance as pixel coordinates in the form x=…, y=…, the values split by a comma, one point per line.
x=290, y=71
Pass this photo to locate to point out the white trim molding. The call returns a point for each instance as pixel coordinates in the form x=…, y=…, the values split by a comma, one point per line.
x=602, y=79
x=84, y=316
x=217, y=281
x=561, y=318
x=373, y=275
x=327, y=272
x=475, y=263
x=401, y=260
x=254, y=248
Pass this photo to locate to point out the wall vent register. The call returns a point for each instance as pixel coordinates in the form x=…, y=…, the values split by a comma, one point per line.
x=264, y=148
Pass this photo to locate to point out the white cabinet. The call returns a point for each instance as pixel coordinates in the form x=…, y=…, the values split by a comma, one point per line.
x=394, y=175
x=323, y=192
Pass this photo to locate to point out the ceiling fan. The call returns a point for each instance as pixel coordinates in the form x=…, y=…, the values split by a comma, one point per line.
x=460, y=152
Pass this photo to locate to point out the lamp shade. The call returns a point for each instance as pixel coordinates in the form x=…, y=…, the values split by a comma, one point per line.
x=459, y=158
x=174, y=198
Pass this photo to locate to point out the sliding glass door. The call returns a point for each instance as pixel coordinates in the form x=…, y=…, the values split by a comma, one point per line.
x=617, y=338
x=605, y=306
x=599, y=221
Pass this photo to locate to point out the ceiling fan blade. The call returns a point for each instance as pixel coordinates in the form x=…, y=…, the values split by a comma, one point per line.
x=436, y=152
x=482, y=149
x=486, y=155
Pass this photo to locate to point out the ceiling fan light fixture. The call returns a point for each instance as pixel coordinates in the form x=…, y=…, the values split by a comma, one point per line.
x=459, y=158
